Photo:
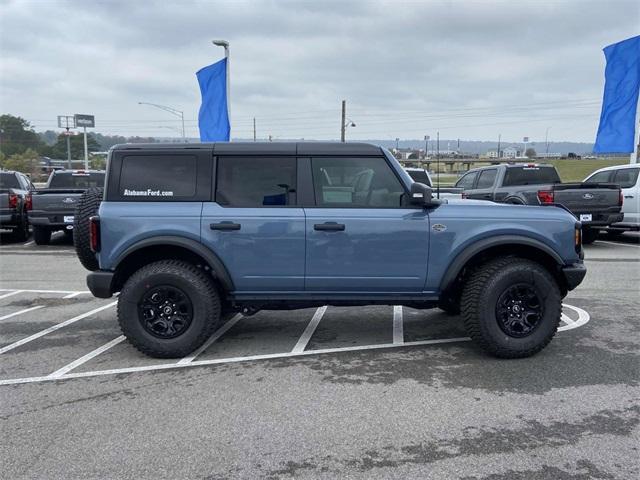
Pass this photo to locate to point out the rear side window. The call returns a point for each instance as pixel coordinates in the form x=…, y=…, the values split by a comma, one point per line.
x=600, y=177
x=70, y=180
x=158, y=177
x=8, y=180
x=466, y=182
x=256, y=182
x=626, y=177
x=530, y=176
x=486, y=179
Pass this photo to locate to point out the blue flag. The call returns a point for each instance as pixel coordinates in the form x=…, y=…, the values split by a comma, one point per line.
x=213, y=118
x=616, y=132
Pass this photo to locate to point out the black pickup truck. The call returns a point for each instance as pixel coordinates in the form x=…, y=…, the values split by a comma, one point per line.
x=594, y=204
x=15, y=203
x=54, y=206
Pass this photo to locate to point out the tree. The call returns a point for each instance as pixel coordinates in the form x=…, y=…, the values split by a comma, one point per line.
x=59, y=150
x=17, y=136
x=25, y=162
x=530, y=153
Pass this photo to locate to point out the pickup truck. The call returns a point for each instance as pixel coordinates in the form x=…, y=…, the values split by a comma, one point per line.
x=15, y=203
x=54, y=205
x=422, y=176
x=190, y=234
x=596, y=205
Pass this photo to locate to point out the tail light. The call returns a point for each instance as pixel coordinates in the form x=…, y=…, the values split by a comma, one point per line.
x=94, y=233
x=620, y=198
x=29, y=201
x=13, y=200
x=578, y=238
x=545, y=196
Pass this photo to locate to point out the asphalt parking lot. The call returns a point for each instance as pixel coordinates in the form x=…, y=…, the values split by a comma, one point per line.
x=372, y=392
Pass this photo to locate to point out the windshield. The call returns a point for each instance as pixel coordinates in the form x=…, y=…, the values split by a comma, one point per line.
x=419, y=176
x=8, y=180
x=530, y=176
x=76, y=180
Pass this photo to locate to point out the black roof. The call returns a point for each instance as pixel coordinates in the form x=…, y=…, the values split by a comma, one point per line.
x=269, y=148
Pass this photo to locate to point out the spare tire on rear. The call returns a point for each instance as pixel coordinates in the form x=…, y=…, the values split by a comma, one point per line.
x=87, y=207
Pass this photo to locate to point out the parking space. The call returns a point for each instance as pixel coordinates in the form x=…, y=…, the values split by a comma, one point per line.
x=325, y=392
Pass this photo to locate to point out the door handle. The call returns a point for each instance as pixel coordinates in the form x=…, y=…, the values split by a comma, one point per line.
x=628, y=196
x=225, y=226
x=329, y=227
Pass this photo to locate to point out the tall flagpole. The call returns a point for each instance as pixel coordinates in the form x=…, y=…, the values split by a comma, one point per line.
x=225, y=44
x=636, y=131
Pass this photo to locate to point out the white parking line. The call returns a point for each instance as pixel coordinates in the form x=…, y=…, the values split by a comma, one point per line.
x=583, y=317
x=398, y=330
x=75, y=294
x=86, y=358
x=217, y=361
x=54, y=328
x=216, y=335
x=20, y=312
x=308, y=332
x=13, y=292
x=28, y=243
x=621, y=244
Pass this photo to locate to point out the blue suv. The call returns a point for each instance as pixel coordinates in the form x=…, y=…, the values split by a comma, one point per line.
x=190, y=234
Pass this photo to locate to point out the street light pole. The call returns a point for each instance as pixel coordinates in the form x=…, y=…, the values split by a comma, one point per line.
x=225, y=45
x=177, y=113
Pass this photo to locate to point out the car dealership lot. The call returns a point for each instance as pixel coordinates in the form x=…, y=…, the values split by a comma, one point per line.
x=358, y=392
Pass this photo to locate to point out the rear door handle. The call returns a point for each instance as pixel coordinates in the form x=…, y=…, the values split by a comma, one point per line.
x=628, y=196
x=329, y=227
x=225, y=226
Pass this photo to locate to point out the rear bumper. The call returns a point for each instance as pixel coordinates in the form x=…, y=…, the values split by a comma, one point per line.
x=9, y=219
x=99, y=283
x=574, y=274
x=602, y=219
x=50, y=219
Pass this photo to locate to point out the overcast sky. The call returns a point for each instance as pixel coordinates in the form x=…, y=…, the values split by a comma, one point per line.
x=470, y=69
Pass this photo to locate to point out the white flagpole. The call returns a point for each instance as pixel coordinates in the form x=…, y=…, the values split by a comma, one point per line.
x=636, y=131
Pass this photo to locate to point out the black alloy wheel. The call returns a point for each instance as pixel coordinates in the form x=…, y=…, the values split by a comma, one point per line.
x=519, y=311
x=165, y=311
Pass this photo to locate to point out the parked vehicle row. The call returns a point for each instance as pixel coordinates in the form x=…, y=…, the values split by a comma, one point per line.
x=45, y=210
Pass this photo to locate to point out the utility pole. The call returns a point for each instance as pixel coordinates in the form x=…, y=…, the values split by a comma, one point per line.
x=254, y=129
x=546, y=141
x=438, y=164
x=499, y=138
x=68, y=148
x=86, y=150
x=343, y=123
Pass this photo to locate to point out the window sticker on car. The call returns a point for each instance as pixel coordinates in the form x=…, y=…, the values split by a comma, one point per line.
x=147, y=193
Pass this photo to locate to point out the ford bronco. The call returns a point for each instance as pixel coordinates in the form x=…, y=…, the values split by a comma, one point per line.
x=190, y=234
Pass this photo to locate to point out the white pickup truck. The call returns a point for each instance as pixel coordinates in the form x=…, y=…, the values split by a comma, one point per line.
x=420, y=175
x=628, y=177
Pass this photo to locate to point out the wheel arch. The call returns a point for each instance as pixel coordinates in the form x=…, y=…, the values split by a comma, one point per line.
x=169, y=247
x=504, y=245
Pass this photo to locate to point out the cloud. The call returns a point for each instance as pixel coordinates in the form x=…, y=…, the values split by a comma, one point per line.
x=472, y=69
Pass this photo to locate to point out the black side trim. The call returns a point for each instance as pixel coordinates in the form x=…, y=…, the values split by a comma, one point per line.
x=459, y=262
x=99, y=283
x=574, y=274
x=219, y=270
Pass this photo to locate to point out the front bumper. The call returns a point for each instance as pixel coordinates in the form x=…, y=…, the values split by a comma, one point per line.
x=574, y=274
x=99, y=283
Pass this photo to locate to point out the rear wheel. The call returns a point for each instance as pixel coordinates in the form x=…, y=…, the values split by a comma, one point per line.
x=168, y=309
x=511, y=307
x=589, y=235
x=87, y=207
x=21, y=233
x=41, y=235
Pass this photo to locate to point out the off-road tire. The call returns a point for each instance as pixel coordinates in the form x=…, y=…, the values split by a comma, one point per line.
x=480, y=295
x=195, y=283
x=449, y=306
x=41, y=235
x=21, y=233
x=87, y=207
x=589, y=235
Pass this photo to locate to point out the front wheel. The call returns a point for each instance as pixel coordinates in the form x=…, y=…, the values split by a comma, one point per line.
x=511, y=307
x=169, y=308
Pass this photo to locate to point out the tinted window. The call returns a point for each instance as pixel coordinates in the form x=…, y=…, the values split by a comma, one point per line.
x=355, y=182
x=419, y=176
x=76, y=180
x=256, y=182
x=158, y=176
x=487, y=177
x=530, y=176
x=600, y=177
x=466, y=182
x=626, y=177
x=8, y=180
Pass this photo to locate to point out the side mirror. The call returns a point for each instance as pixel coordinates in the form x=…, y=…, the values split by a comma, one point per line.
x=420, y=194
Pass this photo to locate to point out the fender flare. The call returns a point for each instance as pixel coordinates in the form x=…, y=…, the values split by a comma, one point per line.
x=218, y=268
x=458, y=263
